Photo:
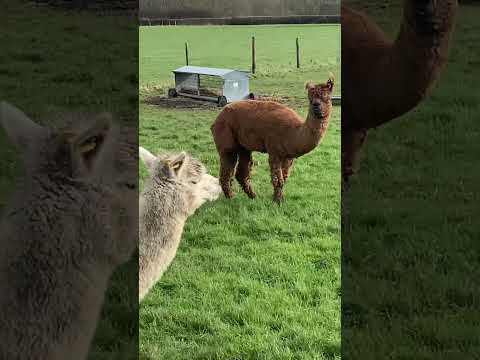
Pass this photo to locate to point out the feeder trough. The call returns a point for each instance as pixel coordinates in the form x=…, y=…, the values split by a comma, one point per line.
x=222, y=86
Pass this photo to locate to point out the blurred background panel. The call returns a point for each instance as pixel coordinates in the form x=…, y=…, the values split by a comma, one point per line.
x=230, y=8
x=73, y=56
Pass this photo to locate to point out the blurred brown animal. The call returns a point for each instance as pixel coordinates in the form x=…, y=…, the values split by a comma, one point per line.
x=269, y=127
x=384, y=79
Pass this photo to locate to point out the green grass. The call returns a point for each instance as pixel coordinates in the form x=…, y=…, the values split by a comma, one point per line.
x=230, y=46
x=410, y=232
x=53, y=60
x=251, y=280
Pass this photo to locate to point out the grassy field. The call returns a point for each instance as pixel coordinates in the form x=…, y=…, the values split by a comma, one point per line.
x=251, y=280
x=54, y=60
x=162, y=50
x=410, y=279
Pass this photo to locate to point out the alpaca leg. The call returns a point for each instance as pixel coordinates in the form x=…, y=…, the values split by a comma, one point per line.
x=228, y=162
x=352, y=141
x=242, y=174
x=277, y=179
x=286, y=168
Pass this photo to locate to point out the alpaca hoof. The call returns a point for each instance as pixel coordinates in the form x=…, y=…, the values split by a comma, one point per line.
x=278, y=199
x=229, y=195
x=251, y=195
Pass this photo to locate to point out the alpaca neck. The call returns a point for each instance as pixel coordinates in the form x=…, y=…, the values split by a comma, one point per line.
x=160, y=237
x=71, y=296
x=311, y=133
x=387, y=79
x=155, y=259
x=315, y=124
x=417, y=56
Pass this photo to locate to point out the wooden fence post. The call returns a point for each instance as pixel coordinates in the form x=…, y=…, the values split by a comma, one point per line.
x=254, y=65
x=298, y=54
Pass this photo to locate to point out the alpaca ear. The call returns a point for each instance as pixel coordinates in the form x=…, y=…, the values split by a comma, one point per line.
x=173, y=165
x=147, y=157
x=177, y=163
x=88, y=149
x=309, y=85
x=19, y=128
x=330, y=82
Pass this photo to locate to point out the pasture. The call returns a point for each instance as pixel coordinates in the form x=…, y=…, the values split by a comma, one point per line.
x=410, y=231
x=251, y=280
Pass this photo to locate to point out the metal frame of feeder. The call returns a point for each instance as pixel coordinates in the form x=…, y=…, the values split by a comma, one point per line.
x=231, y=85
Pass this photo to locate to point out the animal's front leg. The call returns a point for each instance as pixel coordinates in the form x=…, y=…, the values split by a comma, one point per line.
x=277, y=179
x=286, y=168
x=228, y=162
x=352, y=142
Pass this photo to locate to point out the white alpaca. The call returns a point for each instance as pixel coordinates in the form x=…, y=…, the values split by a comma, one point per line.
x=178, y=186
x=67, y=226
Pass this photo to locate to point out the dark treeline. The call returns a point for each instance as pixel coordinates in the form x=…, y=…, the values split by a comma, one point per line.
x=181, y=9
x=92, y=4
x=177, y=9
x=245, y=20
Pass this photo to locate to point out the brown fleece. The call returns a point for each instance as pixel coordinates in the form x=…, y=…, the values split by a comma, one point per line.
x=268, y=127
x=384, y=79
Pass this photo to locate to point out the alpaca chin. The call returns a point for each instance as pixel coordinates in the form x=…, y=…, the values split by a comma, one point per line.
x=319, y=115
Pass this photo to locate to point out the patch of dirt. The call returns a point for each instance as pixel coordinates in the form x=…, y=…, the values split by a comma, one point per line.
x=180, y=102
x=184, y=103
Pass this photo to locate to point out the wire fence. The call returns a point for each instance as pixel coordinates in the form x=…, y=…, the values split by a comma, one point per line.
x=243, y=20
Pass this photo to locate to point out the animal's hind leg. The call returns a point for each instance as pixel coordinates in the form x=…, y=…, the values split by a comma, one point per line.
x=243, y=172
x=277, y=178
x=228, y=161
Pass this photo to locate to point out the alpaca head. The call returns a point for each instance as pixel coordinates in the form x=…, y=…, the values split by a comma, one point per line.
x=430, y=18
x=320, y=98
x=81, y=156
x=183, y=174
x=79, y=151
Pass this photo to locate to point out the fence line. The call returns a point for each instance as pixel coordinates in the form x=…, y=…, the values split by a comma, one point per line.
x=244, y=20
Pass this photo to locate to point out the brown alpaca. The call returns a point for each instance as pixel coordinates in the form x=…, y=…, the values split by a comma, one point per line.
x=269, y=127
x=384, y=79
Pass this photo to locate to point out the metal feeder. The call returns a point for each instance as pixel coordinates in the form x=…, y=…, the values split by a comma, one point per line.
x=222, y=86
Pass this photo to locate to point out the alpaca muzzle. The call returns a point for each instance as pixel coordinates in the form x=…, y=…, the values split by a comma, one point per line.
x=317, y=110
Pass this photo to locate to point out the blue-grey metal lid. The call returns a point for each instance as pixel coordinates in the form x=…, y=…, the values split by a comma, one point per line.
x=200, y=70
